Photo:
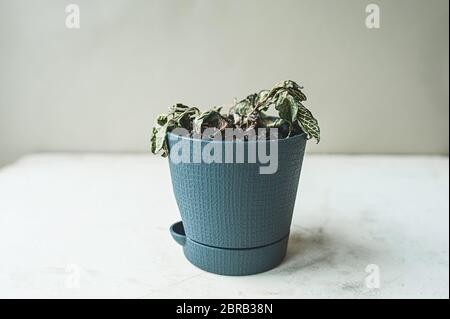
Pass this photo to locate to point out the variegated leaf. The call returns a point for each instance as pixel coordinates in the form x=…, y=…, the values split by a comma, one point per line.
x=308, y=123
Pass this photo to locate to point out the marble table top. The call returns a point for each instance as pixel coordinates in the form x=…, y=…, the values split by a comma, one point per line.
x=96, y=226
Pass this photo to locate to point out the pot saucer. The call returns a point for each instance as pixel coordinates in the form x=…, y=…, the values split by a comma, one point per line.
x=230, y=261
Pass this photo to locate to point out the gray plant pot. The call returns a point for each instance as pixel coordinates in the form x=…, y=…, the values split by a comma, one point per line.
x=236, y=221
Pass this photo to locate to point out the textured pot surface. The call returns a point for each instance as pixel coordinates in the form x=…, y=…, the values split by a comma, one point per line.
x=232, y=205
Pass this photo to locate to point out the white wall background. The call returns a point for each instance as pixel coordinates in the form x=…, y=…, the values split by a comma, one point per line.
x=100, y=87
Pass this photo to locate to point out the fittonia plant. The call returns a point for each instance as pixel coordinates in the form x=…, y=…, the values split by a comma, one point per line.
x=250, y=113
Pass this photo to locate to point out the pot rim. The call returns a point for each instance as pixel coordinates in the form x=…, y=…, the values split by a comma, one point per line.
x=280, y=140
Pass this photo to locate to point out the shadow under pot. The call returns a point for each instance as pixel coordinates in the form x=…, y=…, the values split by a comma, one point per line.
x=236, y=215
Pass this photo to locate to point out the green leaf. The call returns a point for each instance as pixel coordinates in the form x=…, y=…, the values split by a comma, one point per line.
x=262, y=94
x=244, y=107
x=185, y=118
x=182, y=116
x=161, y=143
x=158, y=140
x=308, y=123
x=275, y=123
x=153, y=140
x=211, y=118
x=161, y=119
x=287, y=108
x=178, y=108
x=298, y=94
x=289, y=84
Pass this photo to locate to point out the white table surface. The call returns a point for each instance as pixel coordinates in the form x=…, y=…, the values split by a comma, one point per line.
x=97, y=226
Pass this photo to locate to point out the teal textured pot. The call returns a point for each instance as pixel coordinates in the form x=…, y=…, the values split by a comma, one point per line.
x=235, y=220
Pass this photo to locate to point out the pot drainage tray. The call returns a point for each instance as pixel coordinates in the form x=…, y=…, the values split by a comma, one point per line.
x=230, y=261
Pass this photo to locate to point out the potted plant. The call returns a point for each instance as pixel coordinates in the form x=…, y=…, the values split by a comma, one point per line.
x=236, y=201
